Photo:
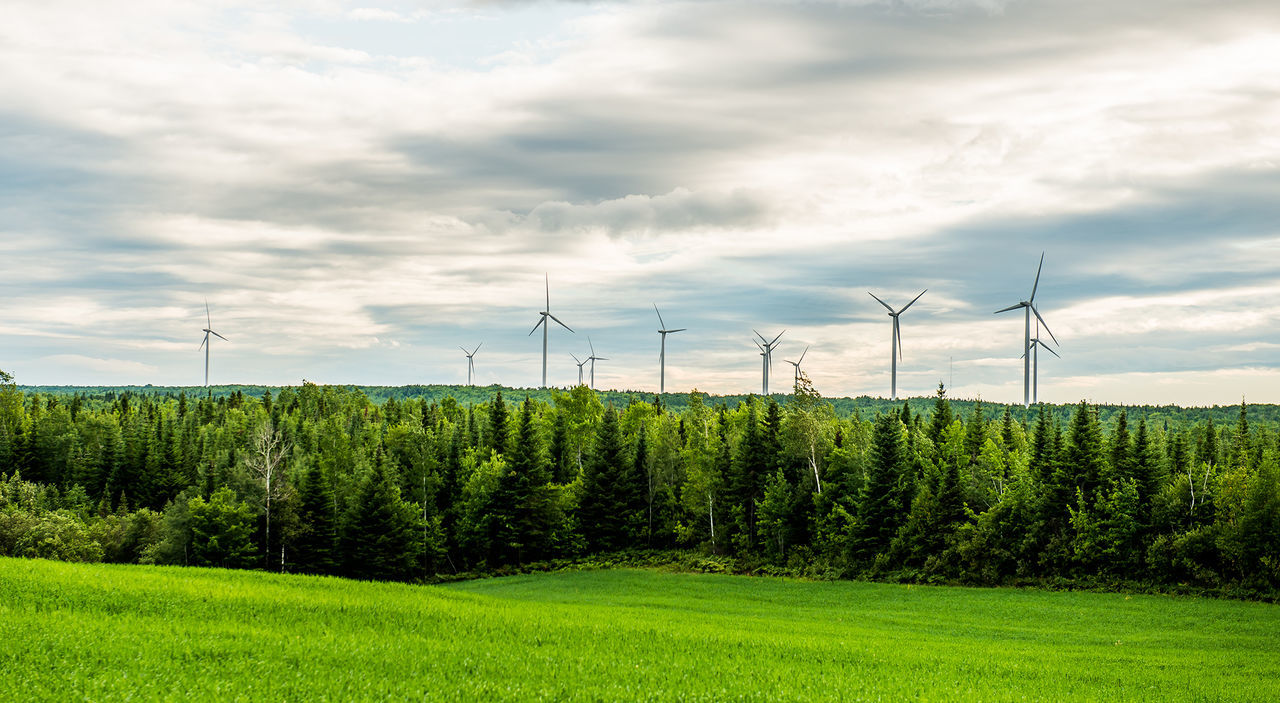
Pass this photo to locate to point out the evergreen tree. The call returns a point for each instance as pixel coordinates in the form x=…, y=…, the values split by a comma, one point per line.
x=746, y=480
x=942, y=417
x=222, y=531
x=315, y=543
x=603, y=514
x=523, y=502
x=880, y=502
x=975, y=432
x=378, y=537
x=495, y=440
x=1121, y=453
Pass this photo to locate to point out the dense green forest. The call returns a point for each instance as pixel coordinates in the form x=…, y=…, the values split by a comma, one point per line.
x=408, y=483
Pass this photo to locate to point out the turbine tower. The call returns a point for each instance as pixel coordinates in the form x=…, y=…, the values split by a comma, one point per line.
x=1029, y=308
x=895, y=341
x=471, y=362
x=208, y=330
x=1035, y=363
x=581, y=363
x=662, y=355
x=766, y=350
x=545, y=326
x=593, y=359
x=796, y=364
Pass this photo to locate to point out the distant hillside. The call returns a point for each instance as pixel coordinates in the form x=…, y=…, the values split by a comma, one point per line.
x=862, y=405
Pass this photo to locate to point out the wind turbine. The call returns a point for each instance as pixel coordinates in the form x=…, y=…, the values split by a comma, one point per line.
x=662, y=355
x=471, y=362
x=796, y=364
x=593, y=359
x=766, y=350
x=895, y=348
x=208, y=330
x=580, y=365
x=545, y=326
x=1029, y=308
x=1035, y=362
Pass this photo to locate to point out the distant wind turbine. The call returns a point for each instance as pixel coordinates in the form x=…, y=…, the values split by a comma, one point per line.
x=766, y=350
x=581, y=363
x=895, y=348
x=662, y=355
x=1029, y=308
x=545, y=326
x=796, y=364
x=208, y=330
x=1035, y=363
x=471, y=362
x=593, y=359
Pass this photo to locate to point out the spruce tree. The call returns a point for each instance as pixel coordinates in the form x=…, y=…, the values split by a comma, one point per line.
x=1121, y=453
x=379, y=542
x=880, y=505
x=523, y=502
x=315, y=543
x=975, y=432
x=747, y=477
x=601, y=516
x=942, y=418
x=496, y=438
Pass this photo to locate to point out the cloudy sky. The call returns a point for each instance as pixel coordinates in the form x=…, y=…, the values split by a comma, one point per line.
x=357, y=189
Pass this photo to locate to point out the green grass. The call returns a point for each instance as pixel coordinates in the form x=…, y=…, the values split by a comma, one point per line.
x=81, y=632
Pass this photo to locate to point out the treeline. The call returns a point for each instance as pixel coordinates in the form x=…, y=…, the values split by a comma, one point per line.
x=324, y=480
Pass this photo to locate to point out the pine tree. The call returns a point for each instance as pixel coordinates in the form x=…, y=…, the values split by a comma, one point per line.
x=942, y=417
x=314, y=546
x=495, y=440
x=522, y=503
x=1121, y=453
x=975, y=432
x=601, y=510
x=378, y=537
x=746, y=479
x=880, y=504
x=1083, y=459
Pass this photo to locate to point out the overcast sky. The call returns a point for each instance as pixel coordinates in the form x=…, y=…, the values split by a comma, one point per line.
x=357, y=189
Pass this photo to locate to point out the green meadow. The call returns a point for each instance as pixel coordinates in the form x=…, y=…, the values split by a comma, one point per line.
x=103, y=632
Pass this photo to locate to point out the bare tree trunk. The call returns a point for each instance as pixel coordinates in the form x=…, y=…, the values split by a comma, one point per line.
x=266, y=462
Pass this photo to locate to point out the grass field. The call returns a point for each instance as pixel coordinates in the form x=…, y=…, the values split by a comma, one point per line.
x=80, y=632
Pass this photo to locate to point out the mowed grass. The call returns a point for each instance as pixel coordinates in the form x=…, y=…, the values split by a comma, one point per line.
x=101, y=632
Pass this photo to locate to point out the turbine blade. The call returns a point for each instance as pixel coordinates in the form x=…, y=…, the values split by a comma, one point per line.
x=202, y=342
x=207, y=319
x=535, y=327
x=913, y=301
x=758, y=346
x=547, y=279
x=561, y=323
x=1046, y=325
x=775, y=339
x=590, y=344
x=1036, y=285
x=897, y=332
x=682, y=329
x=660, y=322
x=806, y=351
x=886, y=305
x=575, y=358
x=761, y=336
x=219, y=336
x=473, y=351
x=1051, y=351
x=1011, y=307
x=464, y=350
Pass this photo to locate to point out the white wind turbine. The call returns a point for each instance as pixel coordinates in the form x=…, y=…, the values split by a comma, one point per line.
x=593, y=359
x=581, y=363
x=471, y=362
x=895, y=348
x=1035, y=362
x=662, y=355
x=766, y=350
x=1029, y=308
x=208, y=330
x=545, y=326
x=796, y=364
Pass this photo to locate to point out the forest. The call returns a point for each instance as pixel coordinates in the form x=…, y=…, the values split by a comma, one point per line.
x=336, y=480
